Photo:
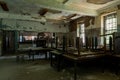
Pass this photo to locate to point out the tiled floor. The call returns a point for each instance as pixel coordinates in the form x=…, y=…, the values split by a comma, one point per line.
x=41, y=70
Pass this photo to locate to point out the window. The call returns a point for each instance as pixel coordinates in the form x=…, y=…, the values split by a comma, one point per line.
x=25, y=36
x=110, y=23
x=81, y=32
x=20, y=38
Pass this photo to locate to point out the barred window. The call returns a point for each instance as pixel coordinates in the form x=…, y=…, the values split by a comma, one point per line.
x=110, y=23
x=82, y=32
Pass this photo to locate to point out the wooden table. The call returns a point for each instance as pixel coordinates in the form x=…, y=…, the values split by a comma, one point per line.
x=31, y=51
x=78, y=58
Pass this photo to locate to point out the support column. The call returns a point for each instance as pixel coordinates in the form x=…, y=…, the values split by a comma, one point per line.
x=0, y=42
x=16, y=43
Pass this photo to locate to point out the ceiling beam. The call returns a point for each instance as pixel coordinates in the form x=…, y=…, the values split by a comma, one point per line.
x=63, y=7
x=99, y=1
x=65, y=1
x=4, y=6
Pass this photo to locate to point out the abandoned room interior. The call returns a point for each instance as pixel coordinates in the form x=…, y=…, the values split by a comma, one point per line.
x=60, y=40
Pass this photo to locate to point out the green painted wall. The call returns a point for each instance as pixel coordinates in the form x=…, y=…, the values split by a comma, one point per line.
x=0, y=38
x=16, y=39
x=118, y=20
x=0, y=43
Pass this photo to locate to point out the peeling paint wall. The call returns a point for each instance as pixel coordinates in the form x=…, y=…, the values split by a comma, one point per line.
x=12, y=24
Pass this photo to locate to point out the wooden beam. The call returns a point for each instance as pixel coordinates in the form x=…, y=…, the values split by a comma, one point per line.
x=4, y=6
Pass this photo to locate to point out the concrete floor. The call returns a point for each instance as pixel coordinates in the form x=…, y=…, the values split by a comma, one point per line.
x=41, y=70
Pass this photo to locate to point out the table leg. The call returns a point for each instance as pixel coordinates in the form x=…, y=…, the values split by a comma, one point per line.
x=75, y=70
x=51, y=59
x=29, y=54
x=33, y=56
x=46, y=55
x=58, y=62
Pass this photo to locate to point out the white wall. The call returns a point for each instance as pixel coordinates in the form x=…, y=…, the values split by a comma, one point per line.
x=12, y=24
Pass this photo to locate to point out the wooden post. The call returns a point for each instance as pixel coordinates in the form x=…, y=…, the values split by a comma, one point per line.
x=56, y=42
x=92, y=44
x=51, y=43
x=75, y=70
x=96, y=43
x=78, y=44
x=104, y=45
x=114, y=43
x=89, y=43
x=86, y=42
x=64, y=42
x=110, y=44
